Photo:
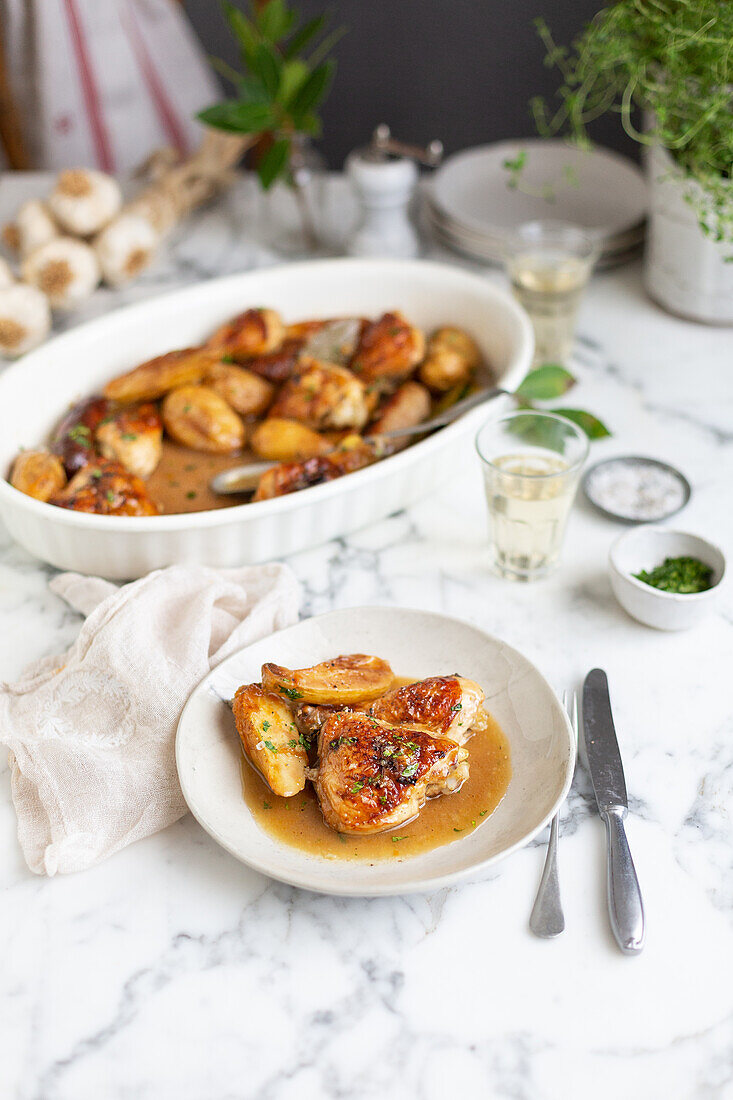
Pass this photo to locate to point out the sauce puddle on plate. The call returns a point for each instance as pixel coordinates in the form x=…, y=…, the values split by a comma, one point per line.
x=297, y=821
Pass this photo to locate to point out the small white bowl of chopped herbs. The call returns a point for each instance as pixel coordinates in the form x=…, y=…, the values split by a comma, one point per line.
x=665, y=579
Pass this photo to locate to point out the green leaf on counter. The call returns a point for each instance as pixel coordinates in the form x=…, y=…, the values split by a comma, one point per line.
x=549, y=380
x=273, y=163
x=591, y=425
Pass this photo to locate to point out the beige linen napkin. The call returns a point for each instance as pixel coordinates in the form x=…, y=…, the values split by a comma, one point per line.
x=91, y=733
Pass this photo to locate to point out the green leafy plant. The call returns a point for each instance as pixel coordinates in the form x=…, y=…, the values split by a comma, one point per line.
x=286, y=77
x=550, y=381
x=672, y=60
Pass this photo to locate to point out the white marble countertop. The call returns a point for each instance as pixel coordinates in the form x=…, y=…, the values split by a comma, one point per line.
x=173, y=971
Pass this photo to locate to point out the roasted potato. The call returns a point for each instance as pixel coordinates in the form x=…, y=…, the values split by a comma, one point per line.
x=322, y=395
x=351, y=678
x=409, y=405
x=270, y=739
x=133, y=436
x=287, y=441
x=388, y=350
x=246, y=392
x=157, y=376
x=254, y=332
x=38, y=474
x=197, y=417
x=74, y=439
x=107, y=489
x=452, y=357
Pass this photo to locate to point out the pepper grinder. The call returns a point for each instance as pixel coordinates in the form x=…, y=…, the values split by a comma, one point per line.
x=384, y=176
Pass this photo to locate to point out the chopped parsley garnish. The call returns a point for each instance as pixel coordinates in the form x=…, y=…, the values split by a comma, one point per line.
x=292, y=693
x=265, y=726
x=458, y=706
x=683, y=575
x=293, y=744
x=410, y=770
x=187, y=408
x=266, y=806
x=357, y=786
x=81, y=434
x=110, y=496
x=129, y=436
x=191, y=495
x=227, y=359
x=396, y=838
x=457, y=830
x=96, y=474
x=483, y=813
x=383, y=800
x=272, y=748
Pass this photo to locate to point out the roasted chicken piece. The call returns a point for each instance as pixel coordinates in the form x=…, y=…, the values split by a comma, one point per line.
x=197, y=417
x=73, y=439
x=409, y=405
x=270, y=740
x=290, y=477
x=322, y=395
x=372, y=777
x=388, y=350
x=254, y=332
x=156, y=377
x=108, y=489
x=445, y=705
x=350, y=678
x=279, y=365
x=38, y=474
x=134, y=437
x=246, y=392
x=452, y=357
x=287, y=441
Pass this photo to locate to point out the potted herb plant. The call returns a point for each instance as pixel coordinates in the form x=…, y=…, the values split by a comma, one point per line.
x=286, y=75
x=666, y=67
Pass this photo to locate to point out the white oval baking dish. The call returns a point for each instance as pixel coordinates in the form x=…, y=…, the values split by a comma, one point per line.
x=35, y=391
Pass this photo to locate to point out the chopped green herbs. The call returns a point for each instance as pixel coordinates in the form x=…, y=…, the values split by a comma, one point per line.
x=191, y=495
x=410, y=770
x=266, y=806
x=292, y=693
x=357, y=786
x=110, y=496
x=270, y=747
x=265, y=726
x=129, y=436
x=683, y=575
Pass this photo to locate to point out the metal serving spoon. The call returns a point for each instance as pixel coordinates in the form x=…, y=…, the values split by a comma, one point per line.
x=243, y=479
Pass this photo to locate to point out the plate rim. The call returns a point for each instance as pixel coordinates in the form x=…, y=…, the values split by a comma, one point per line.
x=512, y=145
x=420, y=886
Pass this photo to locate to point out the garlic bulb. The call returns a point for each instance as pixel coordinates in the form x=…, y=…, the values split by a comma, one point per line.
x=25, y=319
x=83, y=200
x=125, y=247
x=65, y=270
x=6, y=274
x=33, y=227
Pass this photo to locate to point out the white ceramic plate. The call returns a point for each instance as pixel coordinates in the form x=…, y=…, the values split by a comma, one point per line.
x=416, y=643
x=35, y=392
x=608, y=193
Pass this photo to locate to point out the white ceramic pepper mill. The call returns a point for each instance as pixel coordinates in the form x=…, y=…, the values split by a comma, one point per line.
x=384, y=176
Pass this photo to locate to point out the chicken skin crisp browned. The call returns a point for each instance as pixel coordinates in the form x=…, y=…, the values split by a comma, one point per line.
x=319, y=397
x=372, y=777
x=108, y=489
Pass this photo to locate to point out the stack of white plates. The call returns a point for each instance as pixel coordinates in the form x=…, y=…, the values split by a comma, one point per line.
x=472, y=208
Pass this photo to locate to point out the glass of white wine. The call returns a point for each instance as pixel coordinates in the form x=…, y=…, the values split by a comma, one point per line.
x=549, y=264
x=531, y=464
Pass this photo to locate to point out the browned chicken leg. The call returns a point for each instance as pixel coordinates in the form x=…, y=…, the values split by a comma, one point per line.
x=372, y=777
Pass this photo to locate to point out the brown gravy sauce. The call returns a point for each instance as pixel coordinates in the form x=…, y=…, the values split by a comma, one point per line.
x=180, y=481
x=298, y=822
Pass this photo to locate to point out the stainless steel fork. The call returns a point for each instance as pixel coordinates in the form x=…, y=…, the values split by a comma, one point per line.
x=547, y=918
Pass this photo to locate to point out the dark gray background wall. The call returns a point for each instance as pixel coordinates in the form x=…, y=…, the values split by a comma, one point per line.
x=459, y=70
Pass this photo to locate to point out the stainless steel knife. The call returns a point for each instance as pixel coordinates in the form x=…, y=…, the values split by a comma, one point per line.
x=625, y=906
